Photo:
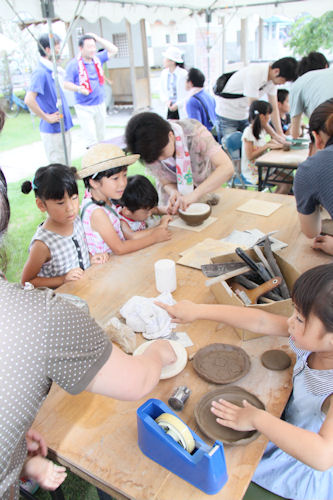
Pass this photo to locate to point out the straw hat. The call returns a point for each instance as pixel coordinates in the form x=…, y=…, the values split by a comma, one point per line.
x=174, y=54
x=103, y=156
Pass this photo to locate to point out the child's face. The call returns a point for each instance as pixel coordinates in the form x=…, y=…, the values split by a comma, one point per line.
x=264, y=118
x=284, y=107
x=141, y=214
x=114, y=186
x=307, y=334
x=62, y=211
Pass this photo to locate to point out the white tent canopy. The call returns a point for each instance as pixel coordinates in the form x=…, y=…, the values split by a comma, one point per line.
x=162, y=10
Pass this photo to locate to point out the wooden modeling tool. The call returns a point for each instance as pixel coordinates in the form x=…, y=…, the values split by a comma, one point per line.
x=251, y=296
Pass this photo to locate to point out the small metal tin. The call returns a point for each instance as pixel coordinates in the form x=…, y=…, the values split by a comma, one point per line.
x=179, y=397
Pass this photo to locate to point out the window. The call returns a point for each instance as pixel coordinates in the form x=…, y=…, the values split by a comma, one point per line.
x=167, y=38
x=120, y=41
x=182, y=38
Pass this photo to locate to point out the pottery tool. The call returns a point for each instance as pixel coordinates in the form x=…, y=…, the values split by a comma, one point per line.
x=263, y=259
x=166, y=439
x=179, y=397
x=277, y=271
x=213, y=270
x=251, y=296
x=247, y=283
x=227, y=276
x=258, y=268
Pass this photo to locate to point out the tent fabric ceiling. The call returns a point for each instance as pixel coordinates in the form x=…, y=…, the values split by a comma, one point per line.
x=163, y=10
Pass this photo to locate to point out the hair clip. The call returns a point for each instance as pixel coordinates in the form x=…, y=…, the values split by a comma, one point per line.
x=256, y=112
x=33, y=185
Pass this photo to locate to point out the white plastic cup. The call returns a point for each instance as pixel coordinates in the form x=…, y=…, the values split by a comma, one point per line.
x=165, y=275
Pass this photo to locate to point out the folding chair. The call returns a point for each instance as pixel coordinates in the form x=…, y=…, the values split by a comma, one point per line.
x=232, y=144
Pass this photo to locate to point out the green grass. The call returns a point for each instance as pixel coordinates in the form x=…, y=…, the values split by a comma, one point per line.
x=24, y=129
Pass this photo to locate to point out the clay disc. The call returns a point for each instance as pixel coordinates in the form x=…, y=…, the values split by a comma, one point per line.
x=169, y=370
x=275, y=360
x=206, y=420
x=221, y=363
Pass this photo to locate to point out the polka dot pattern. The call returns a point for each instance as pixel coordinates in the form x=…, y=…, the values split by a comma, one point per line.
x=43, y=338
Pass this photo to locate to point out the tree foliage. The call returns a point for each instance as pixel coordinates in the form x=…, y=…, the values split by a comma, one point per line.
x=308, y=34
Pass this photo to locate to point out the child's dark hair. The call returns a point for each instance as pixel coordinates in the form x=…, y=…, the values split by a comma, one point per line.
x=282, y=95
x=258, y=108
x=313, y=294
x=147, y=134
x=52, y=182
x=104, y=173
x=139, y=193
x=321, y=120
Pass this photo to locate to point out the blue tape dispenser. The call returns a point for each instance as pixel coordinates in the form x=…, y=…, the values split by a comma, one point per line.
x=166, y=439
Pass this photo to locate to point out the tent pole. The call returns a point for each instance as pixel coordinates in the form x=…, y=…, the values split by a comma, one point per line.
x=57, y=85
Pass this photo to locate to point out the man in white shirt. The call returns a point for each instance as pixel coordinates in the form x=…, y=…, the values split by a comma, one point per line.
x=250, y=84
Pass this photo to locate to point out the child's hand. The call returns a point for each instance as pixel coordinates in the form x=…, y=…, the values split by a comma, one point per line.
x=274, y=144
x=324, y=243
x=182, y=312
x=36, y=444
x=48, y=475
x=165, y=220
x=99, y=258
x=230, y=415
x=73, y=275
x=161, y=233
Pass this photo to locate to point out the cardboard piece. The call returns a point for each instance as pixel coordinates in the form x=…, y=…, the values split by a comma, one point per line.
x=259, y=207
x=178, y=222
x=202, y=252
x=224, y=294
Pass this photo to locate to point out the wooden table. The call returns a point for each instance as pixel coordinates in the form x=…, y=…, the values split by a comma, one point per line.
x=96, y=437
x=284, y=163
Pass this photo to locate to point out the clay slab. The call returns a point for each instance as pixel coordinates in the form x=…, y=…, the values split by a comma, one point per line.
x=275, y=359
x=221, y=363
x=206, y=420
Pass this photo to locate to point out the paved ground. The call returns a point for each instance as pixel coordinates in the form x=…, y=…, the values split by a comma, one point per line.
x=21, y=163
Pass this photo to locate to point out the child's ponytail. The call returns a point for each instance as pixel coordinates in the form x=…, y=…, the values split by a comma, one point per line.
x=258, y=108
x=51, y=182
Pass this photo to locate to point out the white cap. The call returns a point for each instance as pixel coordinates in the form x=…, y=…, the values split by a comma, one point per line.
x=174, y=54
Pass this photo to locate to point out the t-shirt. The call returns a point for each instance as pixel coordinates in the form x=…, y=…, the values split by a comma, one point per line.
x=310, y=90
x=313, y=184
x=195, y=109
x=42, y=82
x=201, y=146
x=251, y=81
x=248, y=167
x=72, y=75
x=44, y=339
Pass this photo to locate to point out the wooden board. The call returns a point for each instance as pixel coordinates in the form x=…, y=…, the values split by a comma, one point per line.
x=201, y=253
x=259, y=207
x=97, y=436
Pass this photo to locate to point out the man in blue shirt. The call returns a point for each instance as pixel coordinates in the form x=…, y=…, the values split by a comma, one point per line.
x=200, y=105
x=84, y=76
x=41, y=98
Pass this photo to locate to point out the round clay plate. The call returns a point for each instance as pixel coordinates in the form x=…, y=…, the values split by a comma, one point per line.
x=176, y=367
x=221, y=363
x=206, y=420
x=275, y=360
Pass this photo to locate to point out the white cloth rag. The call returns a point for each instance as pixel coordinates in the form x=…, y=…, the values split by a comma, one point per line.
x=142, y=315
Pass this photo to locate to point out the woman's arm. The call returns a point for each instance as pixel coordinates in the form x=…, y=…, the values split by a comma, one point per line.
x=254, y=320
x=101, y=223
x=313, y=449
x=310, y=223
x=38, y=255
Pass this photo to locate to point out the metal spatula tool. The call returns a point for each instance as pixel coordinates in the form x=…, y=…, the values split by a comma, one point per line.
x=213, y=270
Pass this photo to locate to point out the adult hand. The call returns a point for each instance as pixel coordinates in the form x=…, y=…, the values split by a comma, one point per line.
x=164, y=350
x=174, y=202
x=324, y=243
x=173, y=107
x=281, y=139
x=36, y=444
x=187, y=199
x=52, y=117
x=82, y=90
x=230, y=415
x=100, y=258
x=182, y=312
x=74, y=274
